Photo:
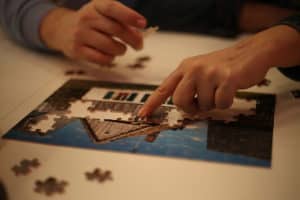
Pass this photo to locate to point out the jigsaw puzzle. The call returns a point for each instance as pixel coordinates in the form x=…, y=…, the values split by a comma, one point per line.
x=50, y=186
x=103, y=116
x=78, y=72
x=25, y=166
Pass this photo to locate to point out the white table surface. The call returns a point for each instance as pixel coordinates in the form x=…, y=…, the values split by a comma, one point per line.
x=28, y=77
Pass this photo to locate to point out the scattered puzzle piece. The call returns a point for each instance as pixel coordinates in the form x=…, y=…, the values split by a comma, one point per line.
x=25, y=166
x=110, y=65
x=143, y=59
x=136, y=66
x=149, y=31
x=98, y=175
x=71, y=72
x=50, y=186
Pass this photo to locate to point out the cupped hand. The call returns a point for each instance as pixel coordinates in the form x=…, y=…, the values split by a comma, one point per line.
x=98, y=32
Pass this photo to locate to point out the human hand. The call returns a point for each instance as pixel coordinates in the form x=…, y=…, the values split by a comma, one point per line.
x=90, y=33
x=210, y=81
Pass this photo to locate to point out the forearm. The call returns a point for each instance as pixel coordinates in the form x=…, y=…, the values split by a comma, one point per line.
x=255, y=16
x=286, y=47
x=21, y=19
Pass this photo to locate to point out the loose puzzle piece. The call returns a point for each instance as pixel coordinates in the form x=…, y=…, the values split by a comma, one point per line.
x=140, y=62
x=50, y=186
x=25, y=166
x=99, y=175
x=79, y=72
x=149, y=31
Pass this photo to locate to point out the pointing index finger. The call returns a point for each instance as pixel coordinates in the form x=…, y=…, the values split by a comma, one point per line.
x=160, y=95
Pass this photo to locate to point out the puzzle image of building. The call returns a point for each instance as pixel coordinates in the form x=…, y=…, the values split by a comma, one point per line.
x=102, y=115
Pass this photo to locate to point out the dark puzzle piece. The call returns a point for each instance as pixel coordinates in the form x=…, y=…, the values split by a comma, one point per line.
x=3, y=194
x=25, y=166
x=136, y=66
x=97, y=174
x=264, y=82
x=140, y=62
x=296, y=93
x=143, y=59
x=110, y=65
x=71, y=72
x=50, y=186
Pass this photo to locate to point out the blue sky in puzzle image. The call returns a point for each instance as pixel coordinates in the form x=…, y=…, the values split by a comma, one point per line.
x=189, y=143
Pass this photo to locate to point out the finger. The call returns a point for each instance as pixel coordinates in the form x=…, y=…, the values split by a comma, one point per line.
x=224, y=96
x=127, y=34
x=120, y=13
x=102, y=42
x=184, y=95
x=92, y=55
x=206, y=95
x=160, y=95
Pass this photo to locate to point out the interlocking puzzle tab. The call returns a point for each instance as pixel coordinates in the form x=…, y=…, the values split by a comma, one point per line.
x=50, y=186
x=25, y=166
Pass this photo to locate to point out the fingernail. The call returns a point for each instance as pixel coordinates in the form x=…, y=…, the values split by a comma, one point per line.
x=141, y=23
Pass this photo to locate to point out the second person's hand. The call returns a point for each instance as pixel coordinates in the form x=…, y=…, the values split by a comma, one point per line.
x=90, y=33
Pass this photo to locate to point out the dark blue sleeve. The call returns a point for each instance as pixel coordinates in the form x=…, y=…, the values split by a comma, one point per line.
x=216, y=17
x=21, y=19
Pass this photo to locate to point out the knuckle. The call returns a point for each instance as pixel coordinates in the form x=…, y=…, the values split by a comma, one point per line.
x=178, y=101
x=106, y=59
x=117, y=29
x=75, y=50
x=84, y=17
x=211, y=72
x=224, y=103
x=162, y=91
x=109, y=6
x=186, y=63
x=77, y=34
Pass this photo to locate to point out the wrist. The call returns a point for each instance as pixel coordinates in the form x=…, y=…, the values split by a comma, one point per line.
x=51, y=28
x=280, y=46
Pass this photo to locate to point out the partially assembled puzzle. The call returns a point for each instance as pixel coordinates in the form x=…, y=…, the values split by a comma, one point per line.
x=103, y=115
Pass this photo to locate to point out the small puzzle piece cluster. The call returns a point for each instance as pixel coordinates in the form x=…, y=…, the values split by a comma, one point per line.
x=50, y=186
x=99, y=175
x=25, y=166
x=73, y=72
x=140, y=62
